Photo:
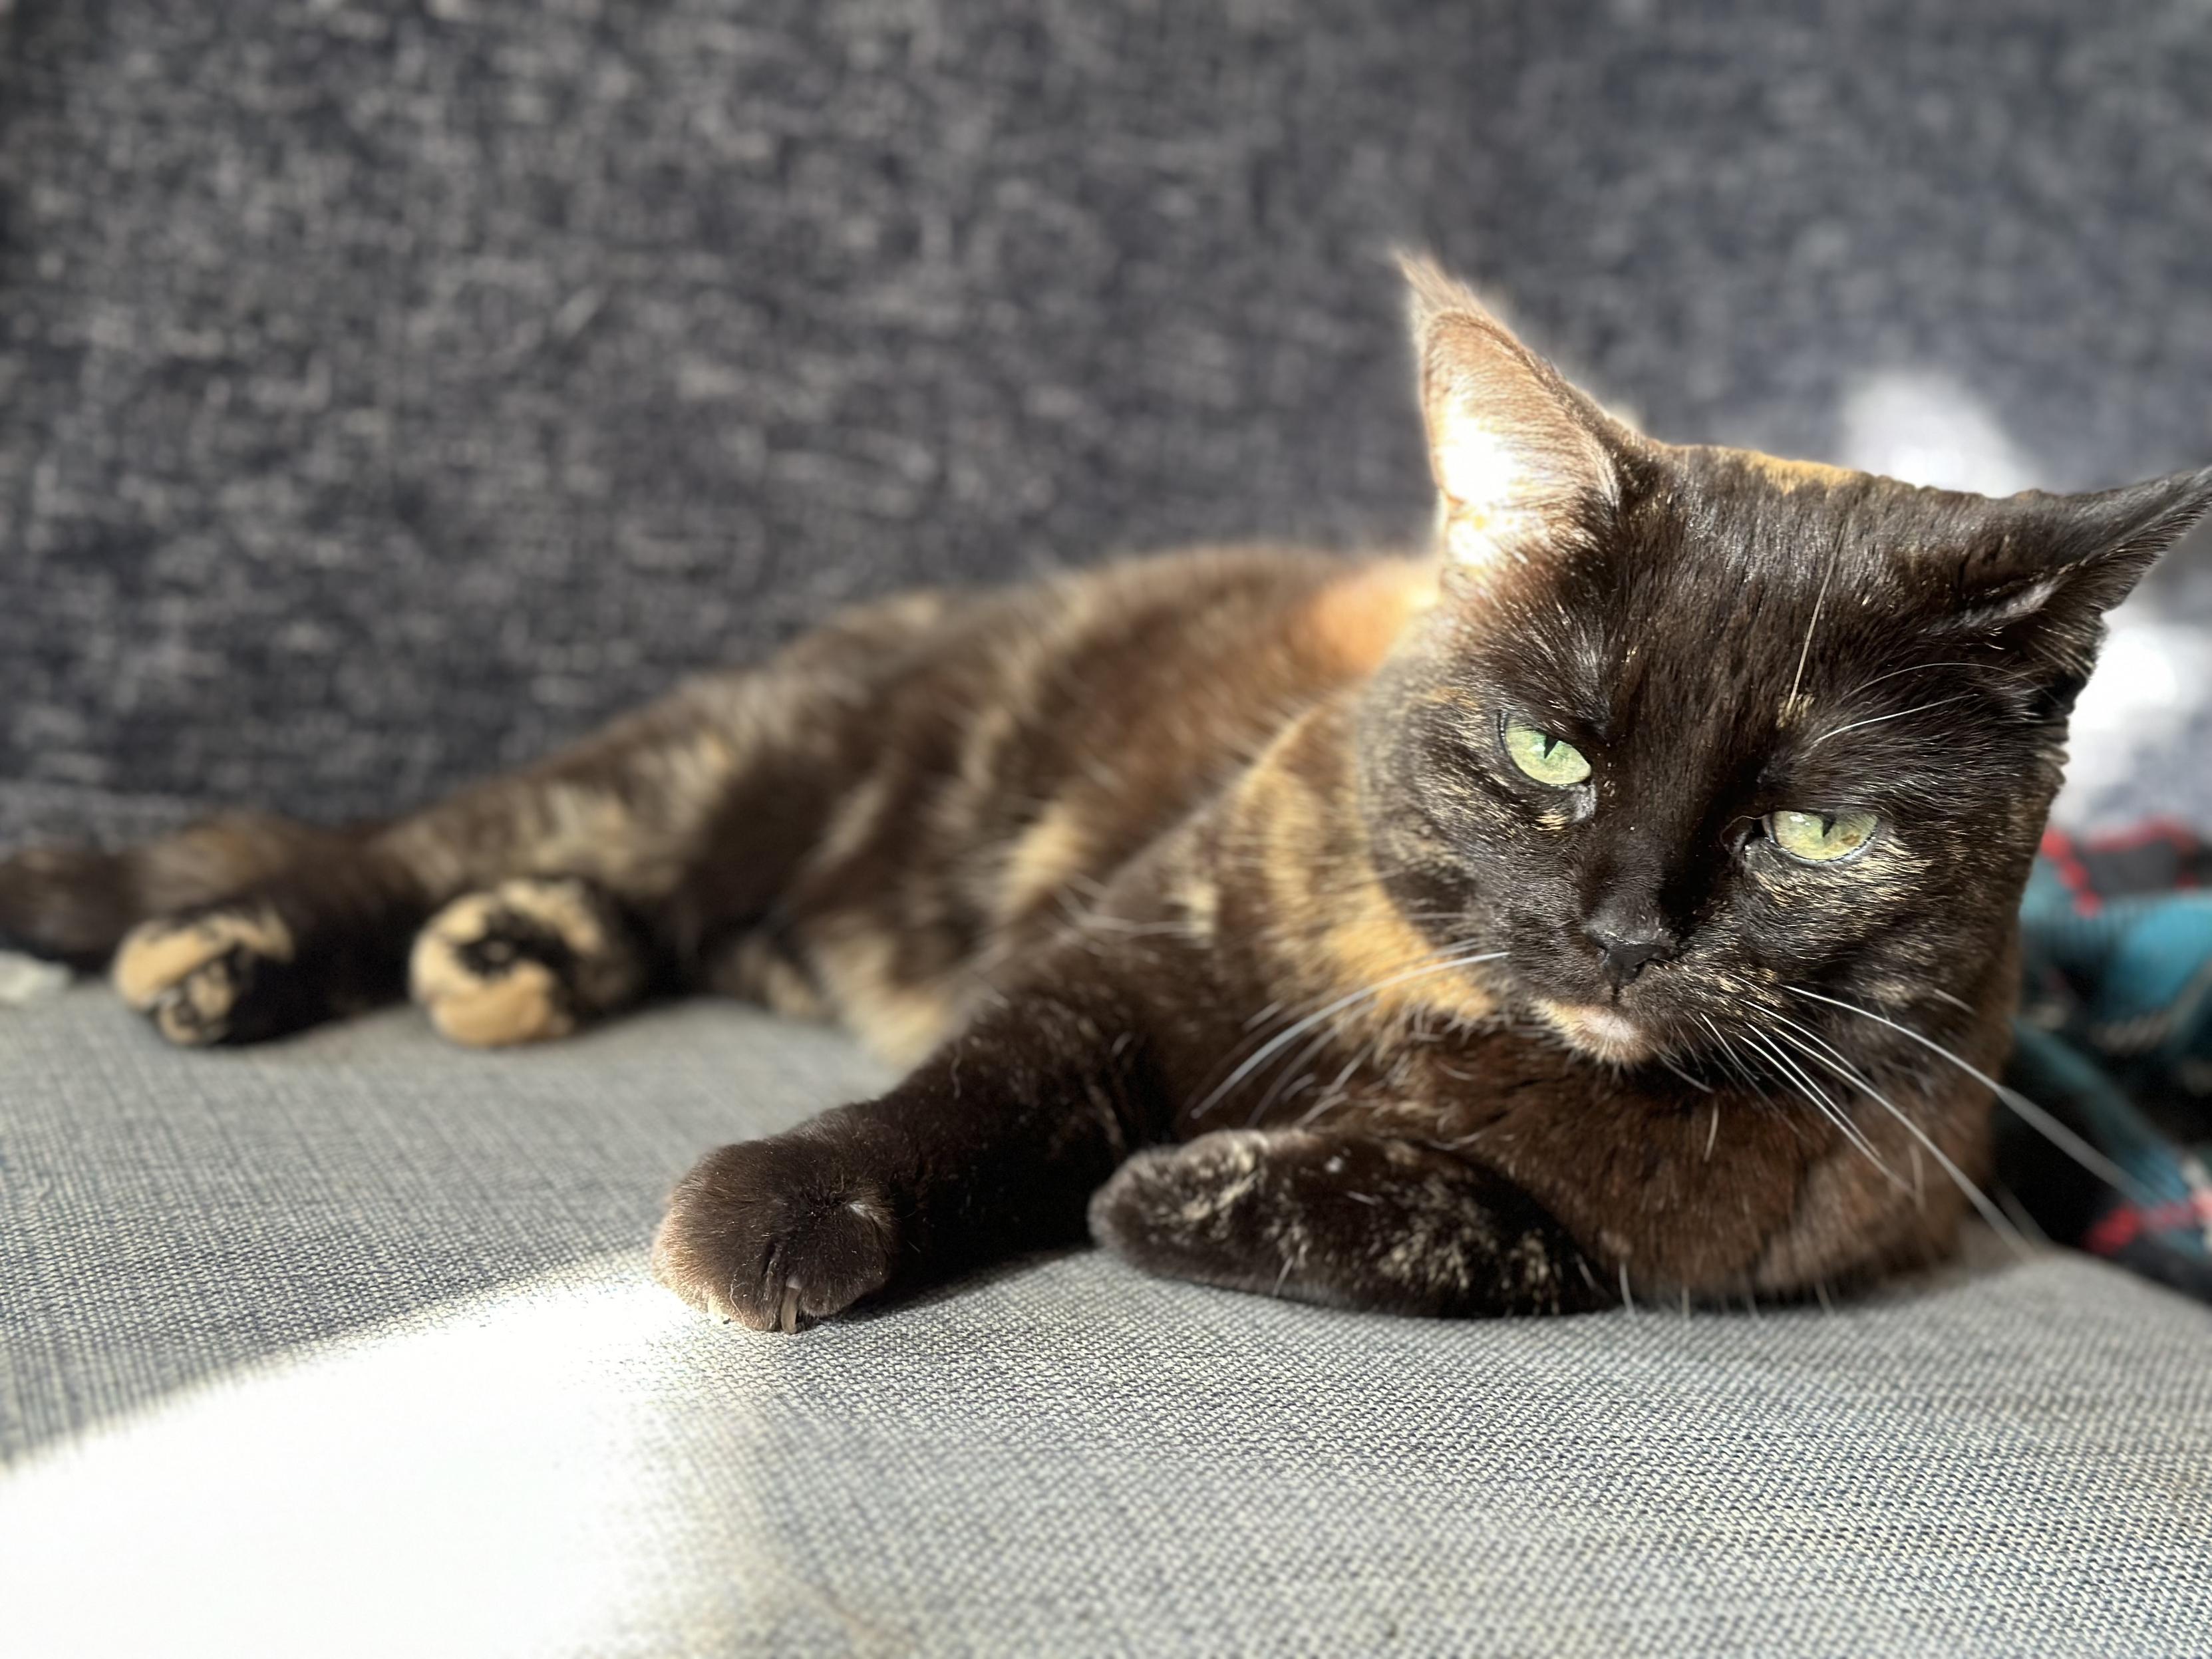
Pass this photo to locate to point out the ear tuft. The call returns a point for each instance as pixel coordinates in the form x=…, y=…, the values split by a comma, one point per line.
x=1434, y=292
x=1516, y=451
x=2120, y=533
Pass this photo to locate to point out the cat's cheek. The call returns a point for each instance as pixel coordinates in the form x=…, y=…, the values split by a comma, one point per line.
x=774, y=1235
x=1542, y=956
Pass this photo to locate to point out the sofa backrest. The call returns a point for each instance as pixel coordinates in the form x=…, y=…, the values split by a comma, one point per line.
x=389, y=391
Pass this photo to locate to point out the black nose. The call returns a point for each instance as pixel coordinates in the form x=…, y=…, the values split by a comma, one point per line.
x=1627, y=950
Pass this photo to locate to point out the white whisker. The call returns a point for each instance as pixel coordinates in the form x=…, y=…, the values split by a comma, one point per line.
x=1820, y=599
x=1729, y=1056
x=1974, y=1194
x=1926, y=667
x=2021, y=1220
x=1306, y=1057
x=2040, y=1117
x=1828, y=1108
x=1331, y=1095
x=1282, y=1039
x=1877, y=720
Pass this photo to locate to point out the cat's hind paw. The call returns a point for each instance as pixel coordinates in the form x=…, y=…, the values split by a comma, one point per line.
x=218, y=975
x=524, y=962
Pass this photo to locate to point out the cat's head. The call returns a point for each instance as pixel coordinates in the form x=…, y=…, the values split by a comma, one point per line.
x=1691, y=728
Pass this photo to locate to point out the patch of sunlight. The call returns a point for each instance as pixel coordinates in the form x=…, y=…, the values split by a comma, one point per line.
x=1926, y=430
x=468, y=1482
x=2152, y=679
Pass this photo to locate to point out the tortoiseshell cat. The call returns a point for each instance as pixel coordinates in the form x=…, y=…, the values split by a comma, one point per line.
x=1566, y=915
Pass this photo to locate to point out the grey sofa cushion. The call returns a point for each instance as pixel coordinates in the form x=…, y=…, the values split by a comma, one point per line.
x=347, y=1345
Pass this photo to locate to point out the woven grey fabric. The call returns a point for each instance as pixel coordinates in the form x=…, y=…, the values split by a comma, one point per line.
x=345, y=1346
x=153, y=1206
x=387, y=390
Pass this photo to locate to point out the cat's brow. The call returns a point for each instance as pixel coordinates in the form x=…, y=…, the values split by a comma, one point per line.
x=1877, y=720
x=1864, y=686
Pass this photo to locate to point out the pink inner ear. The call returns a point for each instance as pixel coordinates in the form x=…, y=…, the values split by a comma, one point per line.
x=1476, y=466
x=1515, y=465
x=1488, y=493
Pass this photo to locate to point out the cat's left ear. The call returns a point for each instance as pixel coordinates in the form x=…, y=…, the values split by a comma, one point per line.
x=2042, y=571
x=1523, y=461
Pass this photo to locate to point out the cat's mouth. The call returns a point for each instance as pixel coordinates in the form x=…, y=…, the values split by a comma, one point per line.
x=1601, y=1033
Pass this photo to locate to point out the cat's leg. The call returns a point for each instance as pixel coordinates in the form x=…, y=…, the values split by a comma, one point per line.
x=306, y=943
x=74, y=904
x=249, y=927
x=211, y=931
x=1350, y=1220
x=993, y=1146
x=532, y=959
x=546, y=863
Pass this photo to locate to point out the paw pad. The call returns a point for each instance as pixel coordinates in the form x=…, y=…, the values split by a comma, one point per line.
x=191, y=975
x=522, y=963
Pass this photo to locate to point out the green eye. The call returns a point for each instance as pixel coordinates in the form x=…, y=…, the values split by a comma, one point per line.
x=1820, y=837
x=1545, y=757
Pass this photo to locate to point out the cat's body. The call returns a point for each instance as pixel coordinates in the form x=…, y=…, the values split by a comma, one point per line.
x=1268, y=908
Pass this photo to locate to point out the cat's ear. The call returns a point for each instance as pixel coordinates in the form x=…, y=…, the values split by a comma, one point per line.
x=1521, y=458
x=2063, y=561
x=2040, y=571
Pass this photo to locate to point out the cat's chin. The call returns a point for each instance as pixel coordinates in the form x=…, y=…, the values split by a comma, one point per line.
x=1601, y=1033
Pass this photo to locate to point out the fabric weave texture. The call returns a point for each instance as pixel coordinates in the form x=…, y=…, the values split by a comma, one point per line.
x=359, y=1322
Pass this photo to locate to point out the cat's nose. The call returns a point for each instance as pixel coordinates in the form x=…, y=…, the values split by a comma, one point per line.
x=1625, y=948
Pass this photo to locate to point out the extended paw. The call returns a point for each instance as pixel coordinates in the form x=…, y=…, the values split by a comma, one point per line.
x=1345, y=1219
x=775, y=1234
x=211, y=977
x=214, y=976
x=1174, y=1209
x=524, y=962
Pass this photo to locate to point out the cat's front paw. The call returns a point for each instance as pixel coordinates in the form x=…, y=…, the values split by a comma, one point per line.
x=775, y=1234
x=216, y=976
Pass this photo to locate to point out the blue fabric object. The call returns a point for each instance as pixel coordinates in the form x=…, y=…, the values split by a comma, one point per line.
x=2115, y=1039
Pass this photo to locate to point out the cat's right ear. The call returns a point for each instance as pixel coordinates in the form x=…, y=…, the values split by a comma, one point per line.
x=1520, y=463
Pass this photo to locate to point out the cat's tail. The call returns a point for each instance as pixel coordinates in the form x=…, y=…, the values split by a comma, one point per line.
x=74, y=904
